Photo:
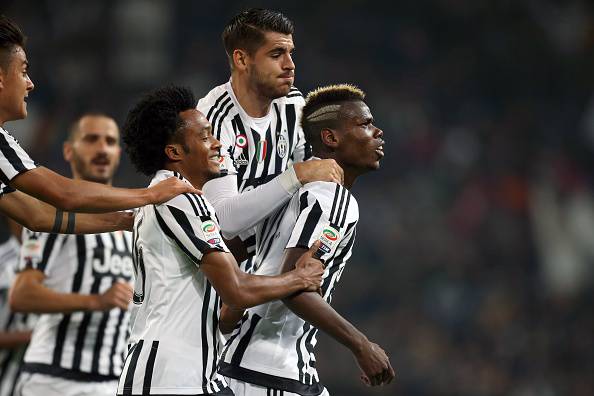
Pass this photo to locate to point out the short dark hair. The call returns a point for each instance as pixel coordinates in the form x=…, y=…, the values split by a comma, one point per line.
x=153, y=123
x=11, y=36
x=75, y=126
x=246, y=29
x=321, y=98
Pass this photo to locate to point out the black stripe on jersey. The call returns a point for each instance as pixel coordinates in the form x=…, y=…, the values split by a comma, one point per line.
x=333, y=263
x=216, y=103
x=309, y=348
x=269, y=234
x=346, y=209
x=114, y=345
x=300, y=361
x=334, y=218
x=129, y=380
x=236, y=332
x=193, y=203
x=291, y=116
x=223, y=107
x=294, y=94
x=254, y=161
x=150, y=365
x=5, y=363
x=217, y=130
x=310, y=225
x=47, y=252
x=81, y=250
x=215, y=329
x=98, y=254
x=200, y=199
x=138, y=260
x=244, y=342
x=268, y=151
x=99, y=339
x=336, y=194
x=11, y=155
x=184, y=223
x=203, y=331
x=278, y=166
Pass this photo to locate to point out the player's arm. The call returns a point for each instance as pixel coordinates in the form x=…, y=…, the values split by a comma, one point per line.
x=240, y=290
x=39, y=216
x=312, y=308
x=188, y=223
x=83, y=196
x=14, y=339
x=29, y=294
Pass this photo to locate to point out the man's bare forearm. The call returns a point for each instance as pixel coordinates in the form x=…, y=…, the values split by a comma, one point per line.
x=14, y=339
x=312, y=308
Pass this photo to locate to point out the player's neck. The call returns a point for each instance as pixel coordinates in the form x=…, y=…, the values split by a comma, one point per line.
x=196, y=180
x=252, y=102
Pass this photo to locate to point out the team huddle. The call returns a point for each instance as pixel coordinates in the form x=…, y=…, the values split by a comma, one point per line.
x=236, y=248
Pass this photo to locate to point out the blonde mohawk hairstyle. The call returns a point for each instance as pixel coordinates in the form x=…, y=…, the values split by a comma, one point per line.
x=322, y=108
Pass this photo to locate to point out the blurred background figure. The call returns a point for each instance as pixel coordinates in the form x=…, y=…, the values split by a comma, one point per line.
x=475, y=254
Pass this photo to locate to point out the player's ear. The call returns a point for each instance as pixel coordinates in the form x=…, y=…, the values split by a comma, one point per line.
x=240, y=59
x=174, y=152
x=67, y=151
x=329, y=138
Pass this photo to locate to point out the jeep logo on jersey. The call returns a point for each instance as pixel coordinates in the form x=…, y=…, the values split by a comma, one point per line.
x=241, y=141
x=281, y=146
x=108, y=262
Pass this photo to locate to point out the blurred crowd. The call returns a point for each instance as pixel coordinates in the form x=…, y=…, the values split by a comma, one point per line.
x=474, y=260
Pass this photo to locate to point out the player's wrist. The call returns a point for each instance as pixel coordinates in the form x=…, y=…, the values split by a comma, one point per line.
x=290, y=181
x=93, y=302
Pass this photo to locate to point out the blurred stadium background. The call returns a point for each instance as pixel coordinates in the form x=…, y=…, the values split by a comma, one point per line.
x=474, y=261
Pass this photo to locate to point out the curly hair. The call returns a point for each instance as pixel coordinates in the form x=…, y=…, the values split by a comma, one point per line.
x=322, y=109
x=153, y=123
x=11, y=36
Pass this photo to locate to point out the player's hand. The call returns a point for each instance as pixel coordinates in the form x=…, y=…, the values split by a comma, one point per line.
x=310, y=269
x=169, y=188
x=319, y=170
x=118, y=295
x=375, y=364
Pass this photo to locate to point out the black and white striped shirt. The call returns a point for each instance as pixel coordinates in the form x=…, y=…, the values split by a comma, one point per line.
x=271, y=346
x=256, y=150
x=10, y=359
x=84, y=346
x=173, y=344
x=13, y=160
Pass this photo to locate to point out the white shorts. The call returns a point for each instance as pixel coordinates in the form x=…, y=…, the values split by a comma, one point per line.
x=241, y=388
x=34, y=384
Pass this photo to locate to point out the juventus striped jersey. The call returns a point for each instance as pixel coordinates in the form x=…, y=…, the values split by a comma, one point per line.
x=173, y=340
x=256, y=149
x=10, y=359
x=83, y=346
x=13, y=160
x=271, y=346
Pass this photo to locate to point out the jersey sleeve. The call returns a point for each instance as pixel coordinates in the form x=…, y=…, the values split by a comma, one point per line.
x=322, y=215
x=39, y=251
x=189, y=221
x=13, y=160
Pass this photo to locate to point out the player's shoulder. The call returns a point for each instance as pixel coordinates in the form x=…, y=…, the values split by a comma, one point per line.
x=214, y=97
x=294, y=97
x=192, y=204
x=331, y=197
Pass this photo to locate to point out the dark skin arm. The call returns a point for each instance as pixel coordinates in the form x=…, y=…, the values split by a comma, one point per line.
x=239, y=290
x=311, y=307
x=83, y=196
x=39, y=216
x=14, y=339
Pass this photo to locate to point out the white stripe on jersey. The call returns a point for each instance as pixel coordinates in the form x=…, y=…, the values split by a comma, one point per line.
x=174, y=346
x=255, y=154
x=79, y=345
x=13, y=160
x=273, y=347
